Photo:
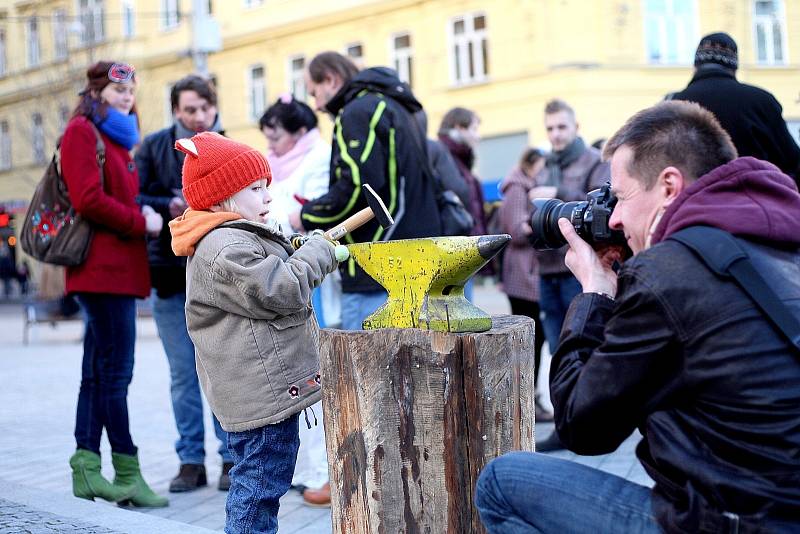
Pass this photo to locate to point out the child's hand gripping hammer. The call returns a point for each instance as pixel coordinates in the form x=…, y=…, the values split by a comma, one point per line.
x=375, y=209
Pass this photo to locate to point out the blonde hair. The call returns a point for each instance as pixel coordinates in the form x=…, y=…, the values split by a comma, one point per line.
x=229, y=205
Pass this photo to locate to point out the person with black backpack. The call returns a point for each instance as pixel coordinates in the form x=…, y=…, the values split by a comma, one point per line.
x=677, y=344
x=375, y=142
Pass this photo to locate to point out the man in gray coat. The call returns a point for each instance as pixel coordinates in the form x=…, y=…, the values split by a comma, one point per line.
x=573, y=169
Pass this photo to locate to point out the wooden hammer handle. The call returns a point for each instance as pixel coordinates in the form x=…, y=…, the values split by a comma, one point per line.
x=350, y=224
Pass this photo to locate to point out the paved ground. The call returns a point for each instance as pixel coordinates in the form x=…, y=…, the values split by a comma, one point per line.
x=37, y=404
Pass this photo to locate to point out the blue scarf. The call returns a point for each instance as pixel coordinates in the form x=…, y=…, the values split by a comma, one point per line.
x=122, y=129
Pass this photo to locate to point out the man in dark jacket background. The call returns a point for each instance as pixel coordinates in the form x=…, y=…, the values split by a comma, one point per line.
x=751, y=115
x=194, y=106
x=375, y=141
x=670, y=348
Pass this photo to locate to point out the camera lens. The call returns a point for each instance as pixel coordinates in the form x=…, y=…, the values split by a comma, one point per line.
x=544, y=222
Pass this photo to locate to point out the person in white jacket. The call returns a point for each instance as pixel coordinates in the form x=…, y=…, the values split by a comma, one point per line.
x=300, y=163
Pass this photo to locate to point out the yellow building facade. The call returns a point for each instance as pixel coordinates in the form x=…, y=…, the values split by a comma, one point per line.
x=503, y=59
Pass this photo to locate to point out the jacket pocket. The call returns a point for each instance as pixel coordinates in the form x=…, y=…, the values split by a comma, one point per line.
x=296, y=341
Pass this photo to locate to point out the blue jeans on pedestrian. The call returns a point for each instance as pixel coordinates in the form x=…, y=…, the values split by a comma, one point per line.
x=556, y=292
x=526, y=492
x=106, y=372
x=263, y=464
x=358, y=306
x=187, y=401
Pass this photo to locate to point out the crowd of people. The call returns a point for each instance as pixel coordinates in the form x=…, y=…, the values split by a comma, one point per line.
x=201, y=224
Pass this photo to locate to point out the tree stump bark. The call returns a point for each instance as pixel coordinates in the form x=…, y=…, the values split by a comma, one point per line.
x=412, y=416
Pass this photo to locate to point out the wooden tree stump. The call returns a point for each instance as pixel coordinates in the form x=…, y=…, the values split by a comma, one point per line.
x=412, y=416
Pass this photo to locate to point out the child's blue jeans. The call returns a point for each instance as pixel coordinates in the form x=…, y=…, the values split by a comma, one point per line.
x=263, y=464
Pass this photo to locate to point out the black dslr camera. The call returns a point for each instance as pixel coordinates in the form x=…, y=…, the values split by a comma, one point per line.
x=589, y=218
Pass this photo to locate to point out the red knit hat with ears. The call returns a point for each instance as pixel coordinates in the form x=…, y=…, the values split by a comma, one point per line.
x=216, y=167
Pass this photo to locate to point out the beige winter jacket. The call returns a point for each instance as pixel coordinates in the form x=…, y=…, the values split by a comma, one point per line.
x=248, y=311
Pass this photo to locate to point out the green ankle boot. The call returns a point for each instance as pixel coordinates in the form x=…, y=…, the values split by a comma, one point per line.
x=129, y=476
x=88, y=481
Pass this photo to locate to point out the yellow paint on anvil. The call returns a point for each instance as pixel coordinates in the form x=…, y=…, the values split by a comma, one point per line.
x=425, y=280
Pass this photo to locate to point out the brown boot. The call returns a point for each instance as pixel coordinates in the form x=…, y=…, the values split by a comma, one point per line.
x=318, y=497
x=190, y=477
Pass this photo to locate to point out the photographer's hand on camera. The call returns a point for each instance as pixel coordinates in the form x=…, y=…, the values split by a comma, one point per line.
x=592, y=268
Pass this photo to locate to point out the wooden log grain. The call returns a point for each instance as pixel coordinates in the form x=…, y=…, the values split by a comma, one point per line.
x=412, y=416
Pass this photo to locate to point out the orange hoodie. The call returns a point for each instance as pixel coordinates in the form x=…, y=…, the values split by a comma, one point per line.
x=193, y=225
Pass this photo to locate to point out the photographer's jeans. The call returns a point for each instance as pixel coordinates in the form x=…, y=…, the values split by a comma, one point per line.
x=526, y=492
x=263, y=463
x=106, y=372
x=187, y=401
x=556, y=292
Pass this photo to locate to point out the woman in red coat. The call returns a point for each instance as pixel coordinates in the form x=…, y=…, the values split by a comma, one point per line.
x=107, y=284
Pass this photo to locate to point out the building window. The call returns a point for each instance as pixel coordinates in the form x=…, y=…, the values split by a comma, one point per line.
x=470, y=49
x=60, y=34
x=91, y=15
x=5, y=146
x=252, y=3
x=3, y=52
x=769, y=31
x=297, y=80
x=671, y=31
x=170, y=16
x=401, y=56
x=37, y=140
x=128, y=19
x=33, y=42
x=355, y=51
x=257, y=90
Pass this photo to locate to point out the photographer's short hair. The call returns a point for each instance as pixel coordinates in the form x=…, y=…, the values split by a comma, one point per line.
x=202, y=86
x=326, y=63
x=556, y=105
x=673, y=133
x=289, y=114
x=454, y=118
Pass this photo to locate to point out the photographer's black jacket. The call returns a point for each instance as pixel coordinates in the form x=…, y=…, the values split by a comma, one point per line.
x=686, y=357
x=375, y=142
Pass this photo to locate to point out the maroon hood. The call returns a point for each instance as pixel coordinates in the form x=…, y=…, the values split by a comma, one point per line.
x=747, y=197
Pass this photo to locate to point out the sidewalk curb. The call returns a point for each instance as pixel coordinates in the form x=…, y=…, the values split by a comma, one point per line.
x=94, y=513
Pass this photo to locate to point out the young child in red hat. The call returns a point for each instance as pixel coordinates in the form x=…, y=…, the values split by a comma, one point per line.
x=248, y=311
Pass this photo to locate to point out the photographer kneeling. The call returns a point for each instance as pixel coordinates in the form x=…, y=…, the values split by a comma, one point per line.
x=665, y=345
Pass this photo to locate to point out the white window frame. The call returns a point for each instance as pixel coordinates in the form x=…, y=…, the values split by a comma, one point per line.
x=250, y=4
x=768, y=23
x=32, y=42
x=37, y=138
x=169, y=116
x=60, y=34
x=459, y=49
x=684, y=35
x=93, y=13
x=128, y=8
x=170, y=14
x=402, y=59
x=256, y=91
x=296, y=78
x=349, y=48
x=3, y=51
x=5, y=145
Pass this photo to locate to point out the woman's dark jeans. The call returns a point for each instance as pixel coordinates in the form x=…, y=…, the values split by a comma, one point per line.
x=107, y=371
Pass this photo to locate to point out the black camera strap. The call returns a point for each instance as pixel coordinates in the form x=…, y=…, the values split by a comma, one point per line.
x=724, y=255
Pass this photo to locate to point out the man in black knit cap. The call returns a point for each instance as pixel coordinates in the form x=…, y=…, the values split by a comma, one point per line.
x=751, y=116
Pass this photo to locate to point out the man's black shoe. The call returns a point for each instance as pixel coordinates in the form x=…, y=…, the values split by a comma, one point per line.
x=190, y=477
x=552, y=443
x=225, y=478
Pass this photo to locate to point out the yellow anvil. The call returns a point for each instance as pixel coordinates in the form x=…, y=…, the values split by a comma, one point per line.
x=425, y=280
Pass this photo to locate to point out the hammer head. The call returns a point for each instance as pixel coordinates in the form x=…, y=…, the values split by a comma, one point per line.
x=377, y=206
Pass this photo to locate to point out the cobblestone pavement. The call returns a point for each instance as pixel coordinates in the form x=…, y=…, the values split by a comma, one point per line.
x=20, y=519
x=37, y=411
